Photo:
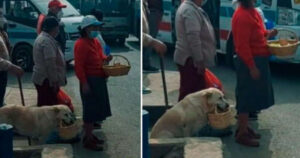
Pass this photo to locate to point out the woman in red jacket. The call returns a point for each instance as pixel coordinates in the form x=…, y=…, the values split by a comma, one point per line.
x=89, y=59
x=254, y=91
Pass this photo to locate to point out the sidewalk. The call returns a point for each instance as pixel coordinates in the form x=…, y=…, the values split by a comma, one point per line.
x=278, y=125
x=156, y=98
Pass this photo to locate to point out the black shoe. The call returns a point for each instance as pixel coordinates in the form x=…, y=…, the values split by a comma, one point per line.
x=150, y=69
x=146, y=90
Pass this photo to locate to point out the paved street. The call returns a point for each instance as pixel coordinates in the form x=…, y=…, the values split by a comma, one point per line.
x=278, y=125
x=122, y=130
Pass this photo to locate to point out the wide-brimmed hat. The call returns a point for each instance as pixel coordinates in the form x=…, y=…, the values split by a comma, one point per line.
x=90, y=20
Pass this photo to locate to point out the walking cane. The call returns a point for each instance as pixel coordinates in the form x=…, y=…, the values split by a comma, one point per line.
x=162, y=67
x=23, y=101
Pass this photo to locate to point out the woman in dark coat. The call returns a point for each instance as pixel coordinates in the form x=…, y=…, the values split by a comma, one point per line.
x=254, y=91
x=89, y=59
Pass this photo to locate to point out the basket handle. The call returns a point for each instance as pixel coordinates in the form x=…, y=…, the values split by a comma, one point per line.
x=123, y=58
x=288, y=30
x=216, y=110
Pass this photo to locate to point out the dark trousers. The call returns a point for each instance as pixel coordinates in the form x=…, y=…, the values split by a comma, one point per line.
x=46, y=95
x=190, y=80
x=3, y=83
x=154, y=18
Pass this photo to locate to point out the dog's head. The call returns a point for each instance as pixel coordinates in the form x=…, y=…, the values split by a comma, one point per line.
x=62, y=112
x=215, y=99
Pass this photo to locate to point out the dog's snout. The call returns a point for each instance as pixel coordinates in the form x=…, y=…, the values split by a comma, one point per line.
x=227, y=105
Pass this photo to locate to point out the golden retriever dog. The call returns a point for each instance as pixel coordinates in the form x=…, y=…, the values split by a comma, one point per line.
x=187, y=117
x=35, y=122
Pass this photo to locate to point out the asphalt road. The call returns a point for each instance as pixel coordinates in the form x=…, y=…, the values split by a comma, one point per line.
x=279, y=125
x=122, y=130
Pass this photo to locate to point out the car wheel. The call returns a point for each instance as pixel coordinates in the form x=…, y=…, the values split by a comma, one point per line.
x=22, y=56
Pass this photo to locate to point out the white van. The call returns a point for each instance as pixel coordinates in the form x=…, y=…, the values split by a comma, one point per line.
x=282, y=13
x=22, y=17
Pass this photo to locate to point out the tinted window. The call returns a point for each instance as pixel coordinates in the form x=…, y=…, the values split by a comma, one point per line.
x=223, y=11
x=22, y=10
x=108, y=6
x=284, y=3
x=267, y=2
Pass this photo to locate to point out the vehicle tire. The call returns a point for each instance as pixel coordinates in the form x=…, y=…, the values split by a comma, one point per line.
x=121, y=41
x=22, y=56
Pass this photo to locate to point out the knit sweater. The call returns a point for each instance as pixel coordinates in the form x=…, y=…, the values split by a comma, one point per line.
x=249, y=35
x=89, y=59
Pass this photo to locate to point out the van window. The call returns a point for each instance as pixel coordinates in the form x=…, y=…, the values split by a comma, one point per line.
x=22, y=11
x=284, y=3
x=223, y=12
x=113, y=6
x=267, y=2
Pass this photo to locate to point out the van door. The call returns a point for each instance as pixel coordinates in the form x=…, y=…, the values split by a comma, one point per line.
x=22, y=19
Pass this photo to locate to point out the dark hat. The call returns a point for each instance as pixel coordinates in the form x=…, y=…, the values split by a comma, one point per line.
x=49, y=23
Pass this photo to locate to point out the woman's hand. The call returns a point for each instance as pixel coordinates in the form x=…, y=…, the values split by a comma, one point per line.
x=272, y=33
x=16, y=70
x=159, y=47
x=109, y=58
x=254, y=72
x=85, y=88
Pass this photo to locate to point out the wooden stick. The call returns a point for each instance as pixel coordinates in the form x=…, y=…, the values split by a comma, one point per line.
x=23, y=102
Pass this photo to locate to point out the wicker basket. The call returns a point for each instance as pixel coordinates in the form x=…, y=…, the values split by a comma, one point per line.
x=117, y=69
x=68, y=132
x=220, y=120
x=284, y=51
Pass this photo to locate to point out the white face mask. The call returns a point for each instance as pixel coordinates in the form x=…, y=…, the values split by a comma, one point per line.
x=60, y=14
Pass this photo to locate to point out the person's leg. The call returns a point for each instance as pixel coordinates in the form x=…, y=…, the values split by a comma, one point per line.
x=147, y=67
x=46, y=94
x=90, y=141
x=243, y=135
x=190, y=80
x=3, y=84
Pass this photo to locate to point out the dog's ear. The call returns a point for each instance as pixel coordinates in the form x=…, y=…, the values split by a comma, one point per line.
x=208, y=94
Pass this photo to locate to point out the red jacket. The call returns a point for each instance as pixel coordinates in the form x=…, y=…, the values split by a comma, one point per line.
x=39, y=24
x=249, y=35
x=89, y=59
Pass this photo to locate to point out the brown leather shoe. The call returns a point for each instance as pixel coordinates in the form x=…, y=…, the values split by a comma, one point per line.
x=246, y=140
x=92, y=146
x=97, y=140
x=253, y=134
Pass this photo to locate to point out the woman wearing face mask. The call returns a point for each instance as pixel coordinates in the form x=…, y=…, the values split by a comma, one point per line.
x=195, y=46
x=49, y=71
x=254, y=91
x=89, y=59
